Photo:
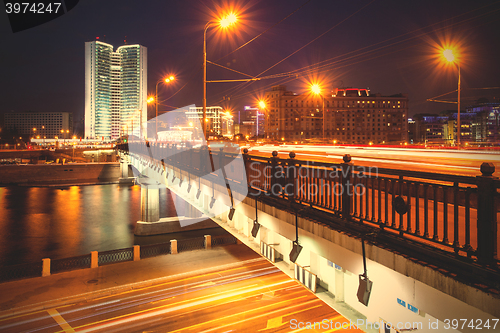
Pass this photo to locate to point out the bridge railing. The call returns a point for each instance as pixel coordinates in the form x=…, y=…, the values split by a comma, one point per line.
x=457, y=214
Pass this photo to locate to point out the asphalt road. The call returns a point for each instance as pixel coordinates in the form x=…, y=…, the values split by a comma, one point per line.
x=252, y=297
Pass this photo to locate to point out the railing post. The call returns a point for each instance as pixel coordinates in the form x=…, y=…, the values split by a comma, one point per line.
x=208, y=242
x=137, y=253
x=246, y=163
x=486, y=224
x=347, y=167
x=94, y=259
x=274, y=164
x=173, y=246
x=46, y=267
x=291, y=176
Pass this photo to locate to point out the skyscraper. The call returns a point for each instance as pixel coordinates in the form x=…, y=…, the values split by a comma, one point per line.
x=115, y=90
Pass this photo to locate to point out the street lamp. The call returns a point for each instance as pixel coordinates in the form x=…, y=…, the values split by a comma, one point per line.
x=450, y=57
x=316, y=89
x=225, y=22
x=166, y=80
x=262, y=106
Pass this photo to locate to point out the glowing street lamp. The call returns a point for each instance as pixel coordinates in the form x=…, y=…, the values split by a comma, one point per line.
x=225, y=22
x=450, y=57
x=166, y=80
x=263, y=106
x=316, y=89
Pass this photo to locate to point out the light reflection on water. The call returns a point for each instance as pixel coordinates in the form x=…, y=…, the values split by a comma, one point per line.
x=59, y=222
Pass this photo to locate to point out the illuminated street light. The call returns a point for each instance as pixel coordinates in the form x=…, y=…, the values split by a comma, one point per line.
x=450, y=57
x=316, y=89
x=225, y=22
x=166, y=80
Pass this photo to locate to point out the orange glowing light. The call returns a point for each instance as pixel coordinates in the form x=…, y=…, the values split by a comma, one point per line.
x=448, y=54
x=262, y=104
x=150, y=100
x=315, y=88
x=228, y=20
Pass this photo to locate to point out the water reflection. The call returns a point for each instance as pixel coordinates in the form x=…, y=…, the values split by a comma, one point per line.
x=58, y=222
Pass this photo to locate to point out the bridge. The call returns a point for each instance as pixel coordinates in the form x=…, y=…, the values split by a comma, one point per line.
x=391, y=245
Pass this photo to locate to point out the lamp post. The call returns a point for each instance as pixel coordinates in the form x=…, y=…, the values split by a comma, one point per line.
x=166, y=80
x=448, y=54
x=262, y=106
x=315, y=88
x=225, y=22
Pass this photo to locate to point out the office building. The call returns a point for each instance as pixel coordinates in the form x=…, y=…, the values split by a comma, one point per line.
x=214, y=116
x=479, y=123
x=115, y=90
x=351, y=116
x=40, y=124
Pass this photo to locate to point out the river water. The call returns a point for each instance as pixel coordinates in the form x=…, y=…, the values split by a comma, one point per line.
x=65, y=221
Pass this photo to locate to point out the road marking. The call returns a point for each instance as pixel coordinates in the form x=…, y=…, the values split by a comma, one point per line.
x=60, y=320
x=274, y=322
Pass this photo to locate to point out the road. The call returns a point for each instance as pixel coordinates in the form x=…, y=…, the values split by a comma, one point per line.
x=254, y=297
x=466, y=162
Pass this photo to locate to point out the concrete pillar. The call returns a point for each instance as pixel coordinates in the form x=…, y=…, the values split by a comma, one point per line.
x=137, y=253
x=94, y=259
x=123, y=168
x=208, y=242
x=46, y=267
x=150, y=202
x=173, y=246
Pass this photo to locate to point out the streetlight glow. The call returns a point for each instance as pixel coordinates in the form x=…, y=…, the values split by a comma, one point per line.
x=230, y=19
x=448, y=54
x=262, y=104
x=315, y=88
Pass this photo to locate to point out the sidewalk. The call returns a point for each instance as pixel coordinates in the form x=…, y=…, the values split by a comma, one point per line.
x=79, y=285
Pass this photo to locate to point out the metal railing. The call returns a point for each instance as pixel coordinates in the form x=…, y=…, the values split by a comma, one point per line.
x=119, y=255
x=69, y=264
x=456, y=214
x=223, y=240
x=148, y=251
x=190, y=244
x=22, y=271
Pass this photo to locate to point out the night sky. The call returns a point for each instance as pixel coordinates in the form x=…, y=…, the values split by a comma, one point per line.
x=388, y=46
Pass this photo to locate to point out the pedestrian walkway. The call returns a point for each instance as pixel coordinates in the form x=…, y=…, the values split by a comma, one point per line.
x=80, y=285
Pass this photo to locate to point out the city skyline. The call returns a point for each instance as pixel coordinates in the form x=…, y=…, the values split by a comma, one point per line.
x=384, y=46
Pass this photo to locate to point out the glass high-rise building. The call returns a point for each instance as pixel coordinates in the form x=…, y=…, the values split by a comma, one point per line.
x=115, y=90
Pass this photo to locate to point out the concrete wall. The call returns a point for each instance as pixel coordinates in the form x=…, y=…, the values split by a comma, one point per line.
x=19, y=174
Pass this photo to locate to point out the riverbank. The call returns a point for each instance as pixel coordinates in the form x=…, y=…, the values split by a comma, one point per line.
x=57, y=174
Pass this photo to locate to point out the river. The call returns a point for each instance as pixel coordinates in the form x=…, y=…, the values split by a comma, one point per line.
x=64, y=221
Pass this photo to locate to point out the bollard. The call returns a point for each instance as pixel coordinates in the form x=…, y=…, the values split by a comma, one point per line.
x=94, y=259
x=173, y=246
x=46, y=267
x=137, y=253
x=208, y=242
